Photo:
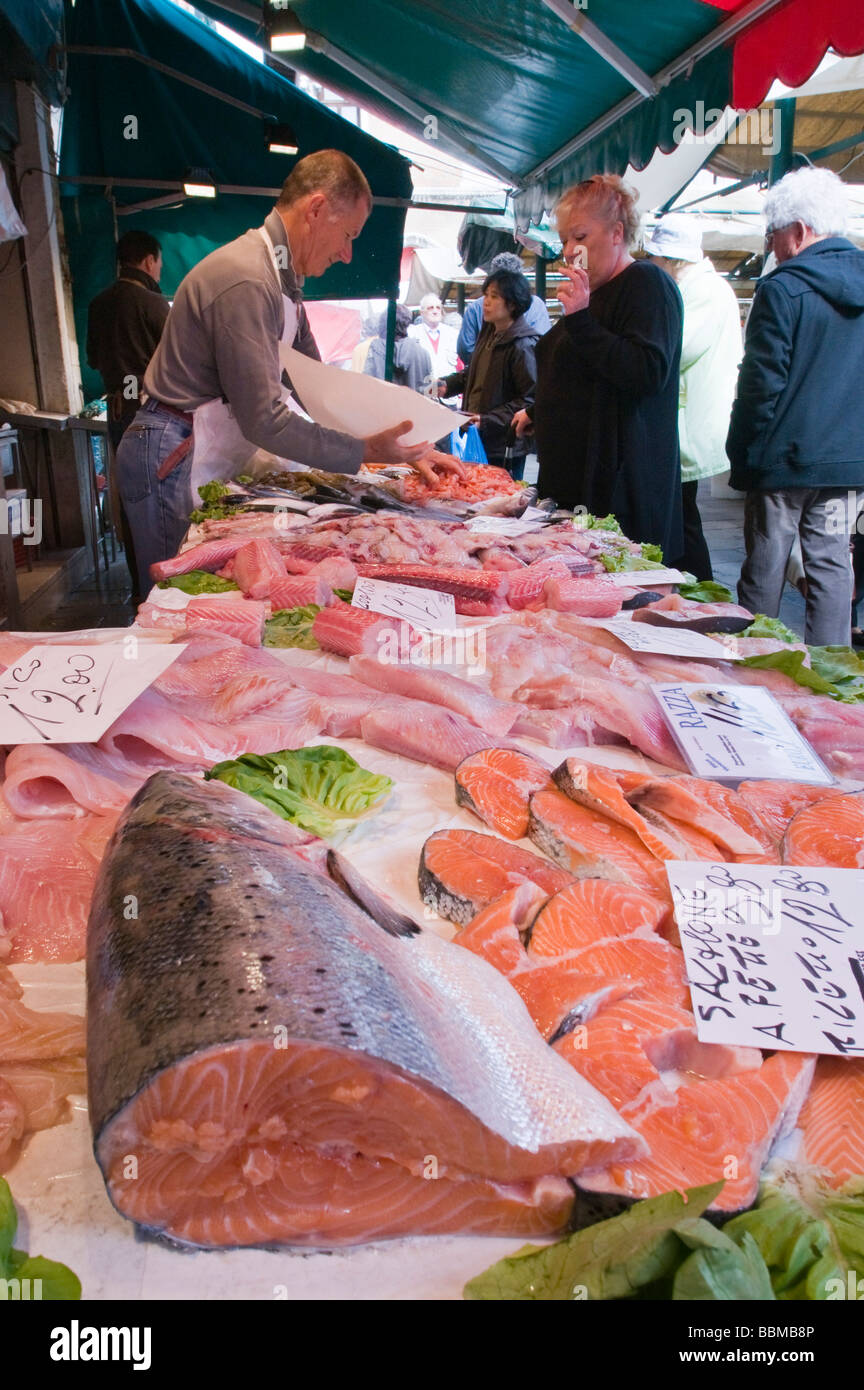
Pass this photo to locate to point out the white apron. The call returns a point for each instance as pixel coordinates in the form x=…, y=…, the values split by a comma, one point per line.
x=219, y=449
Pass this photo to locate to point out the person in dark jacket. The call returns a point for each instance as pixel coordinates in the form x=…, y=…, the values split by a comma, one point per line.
x=124, y=325
x=606, y=406
x=796, y=437
x=412, y=365
x=500, y=379
x=472, y=320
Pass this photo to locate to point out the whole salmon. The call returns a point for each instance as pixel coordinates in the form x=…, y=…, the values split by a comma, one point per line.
x=269, y=1063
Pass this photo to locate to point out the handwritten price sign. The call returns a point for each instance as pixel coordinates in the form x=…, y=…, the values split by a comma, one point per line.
x=425, y=608
x=775, y=955
x=73, y=694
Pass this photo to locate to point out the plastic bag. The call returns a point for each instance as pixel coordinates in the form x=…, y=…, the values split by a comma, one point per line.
x=468, y=446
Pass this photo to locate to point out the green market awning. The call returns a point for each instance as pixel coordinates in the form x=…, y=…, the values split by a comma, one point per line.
x=155, y=92
x=543, y=93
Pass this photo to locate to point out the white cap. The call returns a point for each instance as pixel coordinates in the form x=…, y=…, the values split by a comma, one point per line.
x=677, y=236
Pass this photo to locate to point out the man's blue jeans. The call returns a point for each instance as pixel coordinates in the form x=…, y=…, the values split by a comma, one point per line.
x=157, y=511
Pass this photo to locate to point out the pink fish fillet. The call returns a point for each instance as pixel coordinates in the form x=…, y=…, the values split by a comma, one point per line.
x=210, y=555
x=45, y=781
x=236, y=617
x=351, y=631
x=47, y=872
x=589, y=597
x=424, y=732
x=437, y=687
x=338, y=570
x=343, y=700
x=299, y=590
x=526, y=587
x=257, y=567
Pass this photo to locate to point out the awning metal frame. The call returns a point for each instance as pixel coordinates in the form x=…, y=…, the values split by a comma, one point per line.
x=584, y=28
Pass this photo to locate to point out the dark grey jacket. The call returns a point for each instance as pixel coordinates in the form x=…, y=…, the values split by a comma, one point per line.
x=798, y=419
x=222, y=339
x=508, y=386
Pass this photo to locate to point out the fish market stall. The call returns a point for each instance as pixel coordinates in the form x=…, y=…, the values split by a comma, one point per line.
x=447, y=997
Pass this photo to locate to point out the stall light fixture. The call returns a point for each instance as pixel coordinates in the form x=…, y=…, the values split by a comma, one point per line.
x=198, y=183
x=281, y=139
x=285, y=30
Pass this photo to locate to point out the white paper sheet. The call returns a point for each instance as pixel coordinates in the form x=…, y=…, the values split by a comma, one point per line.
x=668, y=641
x=73, y=694
x=774, y=954
x=363, y=405
x=647, y=579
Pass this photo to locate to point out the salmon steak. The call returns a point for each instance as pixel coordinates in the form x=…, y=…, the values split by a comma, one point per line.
x=462, y=872
x=832, y=1120
x=286, y=1068
x=592, y=846
x=496, y=785
x=828, y=833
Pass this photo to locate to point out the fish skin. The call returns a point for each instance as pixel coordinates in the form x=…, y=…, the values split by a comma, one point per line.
x=224, y=906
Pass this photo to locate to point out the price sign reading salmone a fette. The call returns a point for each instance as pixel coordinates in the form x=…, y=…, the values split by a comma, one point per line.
x=775, y=954
x=73, y=694
x=732, y=732
x=423, y=607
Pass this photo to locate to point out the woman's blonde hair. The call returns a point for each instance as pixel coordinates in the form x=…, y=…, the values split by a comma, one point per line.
x=608, y=198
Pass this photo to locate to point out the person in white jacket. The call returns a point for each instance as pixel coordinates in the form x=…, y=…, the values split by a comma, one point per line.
x=711, y=351
x=437, y=337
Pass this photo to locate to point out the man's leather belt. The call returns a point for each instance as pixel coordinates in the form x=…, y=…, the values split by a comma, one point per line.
x=177, y=455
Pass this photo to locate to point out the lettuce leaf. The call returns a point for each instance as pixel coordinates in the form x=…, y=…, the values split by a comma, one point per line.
x=770, y=627
x=810, y=1236
x=843, y=667
x=631, y=1254
x=198, y=582
x=321, y=789
x=719, y=1269
x=706, y=591
x=624, y=560
x=344, y=594
x=791, y=663
x=292, y=627
x=57, y=1281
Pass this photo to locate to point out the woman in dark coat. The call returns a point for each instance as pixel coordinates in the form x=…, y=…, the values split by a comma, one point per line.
x=606, y=404
x=499, y=381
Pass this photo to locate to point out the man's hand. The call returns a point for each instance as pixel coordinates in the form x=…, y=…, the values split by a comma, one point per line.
x=384, y=447
x=576, y=295
x=473, y=419
x=445, y=463
x=522, y=423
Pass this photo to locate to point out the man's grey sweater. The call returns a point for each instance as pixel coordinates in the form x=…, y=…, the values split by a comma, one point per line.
x=221, y=339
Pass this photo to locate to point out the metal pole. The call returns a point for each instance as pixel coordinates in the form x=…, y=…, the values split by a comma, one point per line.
x=540, y=278
x=782, y=160
x=391, y=340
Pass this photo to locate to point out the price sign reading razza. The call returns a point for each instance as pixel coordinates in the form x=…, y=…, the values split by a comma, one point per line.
x=73, y=694
x=775, y=955
x=424, y=608
x=732, y=732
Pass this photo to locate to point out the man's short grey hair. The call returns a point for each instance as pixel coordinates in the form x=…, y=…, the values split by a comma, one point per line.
x=506, y=260
x=331, y=172
x=815, y=197
x=430, y=299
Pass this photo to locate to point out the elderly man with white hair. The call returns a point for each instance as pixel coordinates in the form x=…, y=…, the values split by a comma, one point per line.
x=796, y=438
x=438, y=338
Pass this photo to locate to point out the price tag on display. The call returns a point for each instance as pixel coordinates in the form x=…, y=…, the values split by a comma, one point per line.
x=732, y=732
x=422, y=607
x=665, y=641
x=647, y=579
x=505, y=525
x=73, y=694
x=775, y=955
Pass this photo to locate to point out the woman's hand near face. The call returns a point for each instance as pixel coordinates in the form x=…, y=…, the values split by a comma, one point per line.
x=575, y=295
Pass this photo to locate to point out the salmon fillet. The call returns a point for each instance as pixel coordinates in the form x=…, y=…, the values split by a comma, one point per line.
x=593, y=846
